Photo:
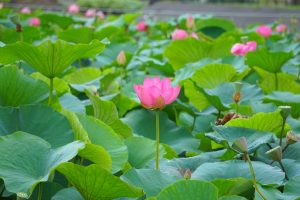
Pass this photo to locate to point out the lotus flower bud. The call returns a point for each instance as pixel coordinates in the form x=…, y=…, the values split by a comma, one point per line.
x=179, y=34
x=100, y=15
x=281, y=28
x=35, y=21
x=156, y=93
x=90, y=13
x=25, y=10
x=142, y=26
x=240, y=145
x=264, y=31
x=121, y=58
x=285, y=111
x=275, y=153
x=188, y=174
x=190, y=22
x=73, y=8
x=291, y=138
x=237, y=94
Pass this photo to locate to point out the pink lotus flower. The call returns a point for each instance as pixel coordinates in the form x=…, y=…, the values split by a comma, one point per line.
x=156, y=93
x=1, y=5
x=90, y=12
x=243, y=49
x=142, y=26
x=281, y=28
x=25, y=10
x=194, y=35
x=73, y=8
x=34, y=21
x=190, y=22
x=264, y=31
x=179, y=34
x=121, y=58
x=100, y=14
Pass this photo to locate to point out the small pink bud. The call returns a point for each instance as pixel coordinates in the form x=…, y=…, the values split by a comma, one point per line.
x=90, y=13
x=34, y=21
x=190, y=22
x=121, y=58
x=25, y=10
x=100, y=15
x=142, y=26
x=156, y=93
x=179, y=34
x=188, y=174
x=281, y=28
x=264, y=31
x=73, y=8
x=194, y=35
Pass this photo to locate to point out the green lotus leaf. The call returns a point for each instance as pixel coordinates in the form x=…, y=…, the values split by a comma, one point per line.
x=18, y=89
x=27, y=160
x=95, y=183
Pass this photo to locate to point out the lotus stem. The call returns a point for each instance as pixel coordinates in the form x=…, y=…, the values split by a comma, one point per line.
x=283, y=169
x=253, y=178
x=236, y=108
x=157, y=140
x=285, y=147
x=40, y=192
x=50, y=92
x=281, y=132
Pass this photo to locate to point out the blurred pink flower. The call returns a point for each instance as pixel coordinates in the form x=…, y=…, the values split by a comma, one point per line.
x=34, y=21
x=90, y=12
x=156, y=93
x=100, y=14
x=25, y=10
x=190, y=22
x=1, y=5
x=281, y=28
x=264, y=31
x=243, y=49
x=73, y=8
x=142, y=26
x=179, y=34
x=194, y=35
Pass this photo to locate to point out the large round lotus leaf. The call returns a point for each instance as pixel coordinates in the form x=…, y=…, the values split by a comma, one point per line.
x=27, y=160
x=101, y=134
x=152, y=181
x=270, y=61
x=95, y=183
x=265, y=174
x=143, y=123
x=39, y=120
x=18, y=89
x=189, y=189
x=49, y=58
x=228, y=135
x=234, y=186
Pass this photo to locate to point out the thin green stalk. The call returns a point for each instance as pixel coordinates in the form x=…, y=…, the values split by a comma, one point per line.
x=40, y=192
x=236, y=108
x=253, y=178
x=157, y=139
x=283, y=169
x=276, y=81
x=281, y=132
x=50, y=92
